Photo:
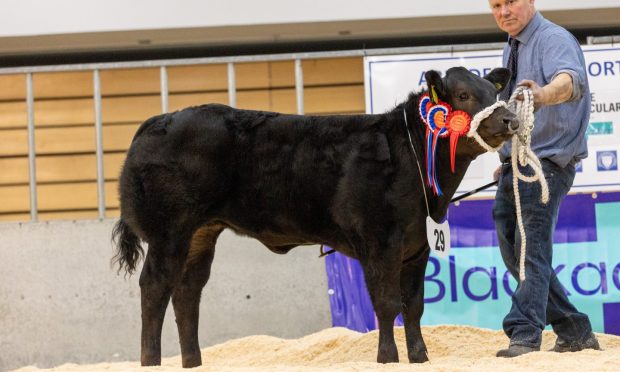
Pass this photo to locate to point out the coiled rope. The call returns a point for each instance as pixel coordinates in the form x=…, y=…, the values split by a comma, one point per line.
x=522, y=154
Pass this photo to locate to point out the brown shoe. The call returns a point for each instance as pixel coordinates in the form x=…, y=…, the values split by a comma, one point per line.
x=515, y=350
x=563, y=346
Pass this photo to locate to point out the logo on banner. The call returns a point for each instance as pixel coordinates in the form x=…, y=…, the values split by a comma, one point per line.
x=607, y=160
x=579, y=167
x=600, y=128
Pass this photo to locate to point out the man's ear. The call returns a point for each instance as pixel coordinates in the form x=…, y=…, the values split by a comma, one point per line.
x=436, y=88
x=499, y=77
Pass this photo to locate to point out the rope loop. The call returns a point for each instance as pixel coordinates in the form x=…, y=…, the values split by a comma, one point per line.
x=522, y=154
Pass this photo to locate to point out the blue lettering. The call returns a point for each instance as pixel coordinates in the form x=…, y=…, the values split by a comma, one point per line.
x=492, y=279
x=453, y=292
x=422, y=78
x=598, y=69
x=605, y=68
x=609, y=68
x=593, y=282
x=430, y=278
x=615, y=276
x=602, y=278
x=475, y=71
x=557, y=271
x=506, y=283
x=486, y=71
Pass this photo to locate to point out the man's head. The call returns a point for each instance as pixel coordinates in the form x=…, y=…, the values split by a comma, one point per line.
x=512, y=15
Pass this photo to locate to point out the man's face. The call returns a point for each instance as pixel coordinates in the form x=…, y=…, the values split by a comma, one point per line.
x=512, y=15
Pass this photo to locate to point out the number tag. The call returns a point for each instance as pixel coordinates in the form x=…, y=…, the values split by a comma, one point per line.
x=438, y=236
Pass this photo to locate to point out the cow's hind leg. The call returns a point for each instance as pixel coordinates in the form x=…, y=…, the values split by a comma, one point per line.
x=186, y=295
x=162, y=269
x=381, y=271
x=412, y=287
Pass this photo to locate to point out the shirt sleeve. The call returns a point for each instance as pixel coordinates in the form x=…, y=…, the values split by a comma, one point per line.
x=562, y=53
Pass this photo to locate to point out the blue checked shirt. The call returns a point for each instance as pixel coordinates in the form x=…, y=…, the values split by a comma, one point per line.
x=545, y=50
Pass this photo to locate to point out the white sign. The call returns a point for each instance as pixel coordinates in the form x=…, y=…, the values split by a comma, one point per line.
x=438, y=237
x=390, y=79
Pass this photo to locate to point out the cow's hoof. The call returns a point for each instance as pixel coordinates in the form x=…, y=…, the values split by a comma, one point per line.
x=191, y=362
x=418, y=357
x=387, y=356
x=151, y=362
x=384, y=360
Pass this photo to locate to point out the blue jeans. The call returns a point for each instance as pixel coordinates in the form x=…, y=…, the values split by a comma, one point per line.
x=540, y=299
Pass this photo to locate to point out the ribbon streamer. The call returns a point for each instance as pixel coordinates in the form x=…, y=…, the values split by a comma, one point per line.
x=440, y=121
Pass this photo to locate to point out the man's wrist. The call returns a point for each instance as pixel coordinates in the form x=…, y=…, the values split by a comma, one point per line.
x=543, y=96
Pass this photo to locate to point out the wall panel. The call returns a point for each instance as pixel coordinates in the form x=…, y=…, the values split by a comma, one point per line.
x=65, y=133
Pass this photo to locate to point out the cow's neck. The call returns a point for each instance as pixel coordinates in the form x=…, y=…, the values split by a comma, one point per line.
x=448, y=181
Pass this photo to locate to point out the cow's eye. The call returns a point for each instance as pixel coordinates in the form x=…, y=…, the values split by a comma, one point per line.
x=463, y=96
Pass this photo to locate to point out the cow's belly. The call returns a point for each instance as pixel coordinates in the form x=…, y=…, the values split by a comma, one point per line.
x=281, y=240
x=277, y=243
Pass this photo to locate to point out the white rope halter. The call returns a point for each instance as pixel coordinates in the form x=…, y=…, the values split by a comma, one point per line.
x=475, y=122
x=522, y=154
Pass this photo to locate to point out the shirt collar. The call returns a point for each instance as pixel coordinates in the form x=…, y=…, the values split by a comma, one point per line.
x=526, y=34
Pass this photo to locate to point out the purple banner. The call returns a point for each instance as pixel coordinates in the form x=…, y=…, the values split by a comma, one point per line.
x=592, y=278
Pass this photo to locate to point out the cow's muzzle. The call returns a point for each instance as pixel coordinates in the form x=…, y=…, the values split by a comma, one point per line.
x=512, y=122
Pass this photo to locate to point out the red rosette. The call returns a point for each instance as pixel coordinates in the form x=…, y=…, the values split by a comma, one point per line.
x=458, y=122
x=441, y=121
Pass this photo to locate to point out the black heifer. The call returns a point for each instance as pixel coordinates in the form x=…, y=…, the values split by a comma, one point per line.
x=350, y=182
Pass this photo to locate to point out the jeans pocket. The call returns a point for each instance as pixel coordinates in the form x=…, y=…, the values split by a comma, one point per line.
x=558, y=179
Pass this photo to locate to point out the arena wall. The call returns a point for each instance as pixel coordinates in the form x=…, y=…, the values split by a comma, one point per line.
x=64, y=114
x=62, y=302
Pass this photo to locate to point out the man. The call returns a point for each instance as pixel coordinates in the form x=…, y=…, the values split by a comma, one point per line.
x=548, y=60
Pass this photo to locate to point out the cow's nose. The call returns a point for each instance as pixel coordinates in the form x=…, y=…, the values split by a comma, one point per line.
x=512, y=122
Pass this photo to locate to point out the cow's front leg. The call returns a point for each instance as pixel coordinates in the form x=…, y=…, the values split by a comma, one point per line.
x=412, y=287
x=382, y=281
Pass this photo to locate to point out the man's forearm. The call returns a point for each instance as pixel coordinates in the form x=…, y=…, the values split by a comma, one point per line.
x=559, y=90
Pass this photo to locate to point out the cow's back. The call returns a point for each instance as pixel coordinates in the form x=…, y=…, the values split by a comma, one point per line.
x=256, y=171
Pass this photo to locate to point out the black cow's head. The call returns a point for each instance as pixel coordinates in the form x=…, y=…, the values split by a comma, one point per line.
x=466, y=91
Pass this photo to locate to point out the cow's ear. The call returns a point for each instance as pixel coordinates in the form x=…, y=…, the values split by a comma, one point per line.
x=435, y=85
x=499, y=77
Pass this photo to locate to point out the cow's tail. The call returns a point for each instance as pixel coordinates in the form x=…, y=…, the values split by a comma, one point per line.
x=128, y=248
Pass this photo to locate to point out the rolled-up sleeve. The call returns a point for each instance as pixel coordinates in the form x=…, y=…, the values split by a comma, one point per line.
x=578, y=88
x=562, y=55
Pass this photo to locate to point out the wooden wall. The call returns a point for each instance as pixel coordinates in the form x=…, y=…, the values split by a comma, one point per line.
x=65, y=133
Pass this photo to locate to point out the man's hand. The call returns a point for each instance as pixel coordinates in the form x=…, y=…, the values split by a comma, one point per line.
x=537, y=92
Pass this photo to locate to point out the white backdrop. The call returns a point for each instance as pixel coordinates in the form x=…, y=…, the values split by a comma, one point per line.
x=39, y=17
x=389, y=79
